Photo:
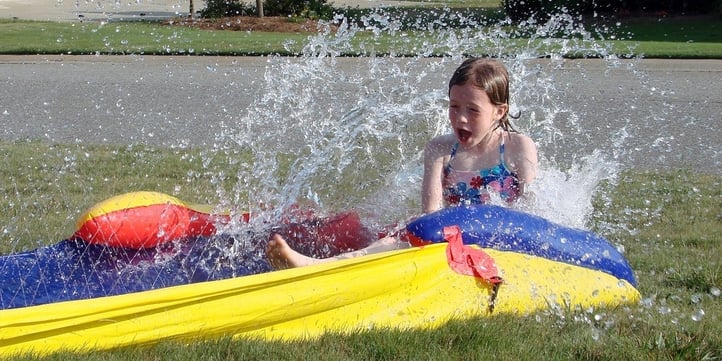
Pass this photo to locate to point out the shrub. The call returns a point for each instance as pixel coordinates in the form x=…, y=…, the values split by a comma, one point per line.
x=541, y=10
x=222, y=8
x=312, y=9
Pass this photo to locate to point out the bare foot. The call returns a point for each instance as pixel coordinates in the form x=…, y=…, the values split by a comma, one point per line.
x=282, y=256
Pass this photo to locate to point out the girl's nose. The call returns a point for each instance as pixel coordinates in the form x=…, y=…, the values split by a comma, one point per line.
x=457, y=115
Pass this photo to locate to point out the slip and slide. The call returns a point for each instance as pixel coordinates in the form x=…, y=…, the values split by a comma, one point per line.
x=143, y=267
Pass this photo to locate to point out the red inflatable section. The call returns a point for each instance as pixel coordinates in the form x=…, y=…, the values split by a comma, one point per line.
x=146, y=219
x=323, y=237
x=147, y=226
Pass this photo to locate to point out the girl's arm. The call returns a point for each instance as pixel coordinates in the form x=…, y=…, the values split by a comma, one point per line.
x=522, y=158
x=435, y=154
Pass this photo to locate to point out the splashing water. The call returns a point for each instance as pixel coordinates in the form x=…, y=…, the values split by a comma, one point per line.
x=338, y=133
x=349, y=132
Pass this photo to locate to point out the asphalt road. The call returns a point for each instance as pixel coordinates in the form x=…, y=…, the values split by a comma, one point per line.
x=674, y=107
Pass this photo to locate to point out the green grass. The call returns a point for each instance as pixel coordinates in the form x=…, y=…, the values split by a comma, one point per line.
x=46, y=187
x=672, y=37
x=699, y=37
x=675, y=30
x=670, y=224
x=30, y=37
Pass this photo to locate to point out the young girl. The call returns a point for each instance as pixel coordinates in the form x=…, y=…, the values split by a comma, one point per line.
x=483, y=154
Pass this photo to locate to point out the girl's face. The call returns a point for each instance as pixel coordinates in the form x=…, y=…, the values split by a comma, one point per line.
x=473, y=116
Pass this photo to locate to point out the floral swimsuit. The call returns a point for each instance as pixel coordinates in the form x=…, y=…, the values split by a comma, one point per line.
x=472, y=187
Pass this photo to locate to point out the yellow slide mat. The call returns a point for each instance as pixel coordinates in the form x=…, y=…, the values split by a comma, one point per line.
x=411, y=288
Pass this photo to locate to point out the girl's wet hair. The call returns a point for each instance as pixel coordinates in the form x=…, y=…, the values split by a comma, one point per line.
x=490, y=76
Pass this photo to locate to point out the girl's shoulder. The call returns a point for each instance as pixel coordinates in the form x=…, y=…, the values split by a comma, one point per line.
x=519, y=142
x=440, y=146
x=522, y=157
x=442, y=142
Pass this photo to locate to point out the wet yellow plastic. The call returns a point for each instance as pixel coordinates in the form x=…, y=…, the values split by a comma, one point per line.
x=406, y=289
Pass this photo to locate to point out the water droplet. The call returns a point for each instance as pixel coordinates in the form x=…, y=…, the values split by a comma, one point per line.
x=596, y=334
x=698, y=315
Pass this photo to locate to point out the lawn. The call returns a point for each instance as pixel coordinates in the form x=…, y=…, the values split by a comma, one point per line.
x=406, y=33
x=673, y=242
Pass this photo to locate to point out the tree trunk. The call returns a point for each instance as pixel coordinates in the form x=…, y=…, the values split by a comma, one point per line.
x=191, y=10
x=259, y=6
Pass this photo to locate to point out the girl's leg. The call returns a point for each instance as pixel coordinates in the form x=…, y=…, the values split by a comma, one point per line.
x=282, y=256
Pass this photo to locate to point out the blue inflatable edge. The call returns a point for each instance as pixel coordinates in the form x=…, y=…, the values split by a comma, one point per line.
x=505, y=229
x=74, y=270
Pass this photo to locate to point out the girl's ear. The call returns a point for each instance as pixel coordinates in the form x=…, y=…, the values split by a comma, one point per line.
x=501, y=111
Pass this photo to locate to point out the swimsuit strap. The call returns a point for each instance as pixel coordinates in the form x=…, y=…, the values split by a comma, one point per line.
x=447, y=167
x=501, y=152
x=454, y=148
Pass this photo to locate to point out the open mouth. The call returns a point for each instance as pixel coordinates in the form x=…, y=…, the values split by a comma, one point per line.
x=463, y=135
